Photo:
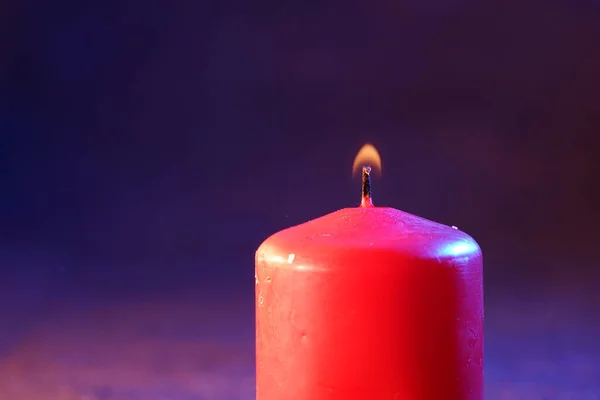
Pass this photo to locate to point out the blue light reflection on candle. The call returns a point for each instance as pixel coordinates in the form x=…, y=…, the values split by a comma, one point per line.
x=462, y=248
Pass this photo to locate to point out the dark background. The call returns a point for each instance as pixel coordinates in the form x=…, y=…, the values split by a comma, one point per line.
x=147, y=148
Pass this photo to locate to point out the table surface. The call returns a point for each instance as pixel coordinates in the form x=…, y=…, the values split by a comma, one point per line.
x=188, y=349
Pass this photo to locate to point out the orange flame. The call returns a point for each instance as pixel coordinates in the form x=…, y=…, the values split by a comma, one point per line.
x=367, y=155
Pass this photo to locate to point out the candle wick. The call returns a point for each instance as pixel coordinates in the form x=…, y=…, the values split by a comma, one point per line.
x=367, y=195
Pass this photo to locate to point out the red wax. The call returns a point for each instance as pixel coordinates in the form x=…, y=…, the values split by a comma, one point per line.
x=369, y=303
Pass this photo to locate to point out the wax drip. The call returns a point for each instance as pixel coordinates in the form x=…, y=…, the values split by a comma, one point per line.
x=367, y=195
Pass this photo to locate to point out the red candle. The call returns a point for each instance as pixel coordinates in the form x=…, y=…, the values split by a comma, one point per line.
x=369, y=303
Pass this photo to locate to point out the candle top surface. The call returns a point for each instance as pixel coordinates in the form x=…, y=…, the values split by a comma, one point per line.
x=375, y=229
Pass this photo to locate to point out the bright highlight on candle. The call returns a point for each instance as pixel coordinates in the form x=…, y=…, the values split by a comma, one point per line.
x=461, y=248
x=367, y=156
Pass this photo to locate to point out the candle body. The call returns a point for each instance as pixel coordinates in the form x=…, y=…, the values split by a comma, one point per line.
x=369, y=303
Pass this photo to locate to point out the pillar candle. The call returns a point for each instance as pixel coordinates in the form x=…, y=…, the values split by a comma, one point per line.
x=369, y=303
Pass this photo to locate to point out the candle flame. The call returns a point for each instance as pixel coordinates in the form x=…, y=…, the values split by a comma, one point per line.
x=367, y=156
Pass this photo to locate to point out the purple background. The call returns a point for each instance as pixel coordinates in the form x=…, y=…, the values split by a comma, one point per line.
x=147, y=148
